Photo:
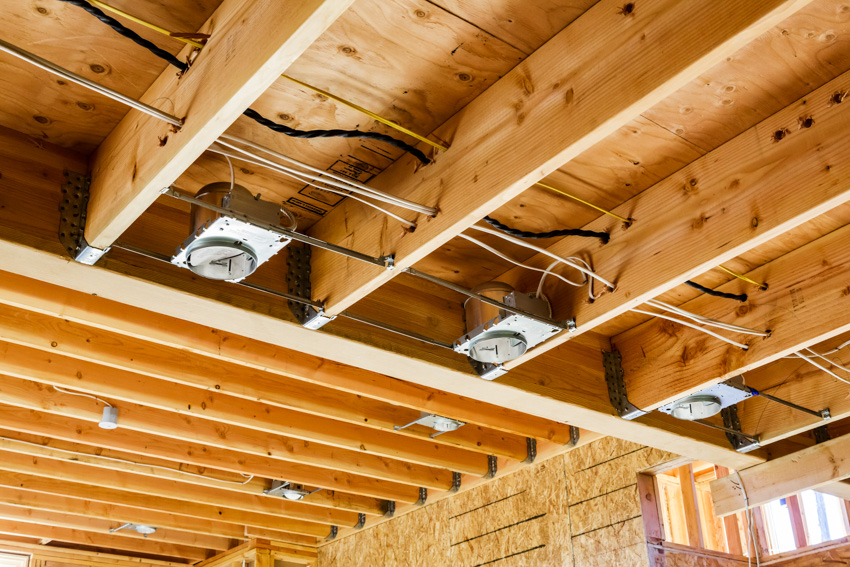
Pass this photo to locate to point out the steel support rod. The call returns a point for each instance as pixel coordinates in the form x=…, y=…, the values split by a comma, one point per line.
x=383, y=261
x=80, y=80
x=487, y=300
x=396, y=330
x=823, y=414
x=753, y=438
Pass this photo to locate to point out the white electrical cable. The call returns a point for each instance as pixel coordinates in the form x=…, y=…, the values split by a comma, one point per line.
x=705, y=320
x=308, y=182
x=116, y=459
x=813, y=363
x=306, y=178
x=692, y=326
x=520, y=264
x=58, y=389
x=330, y=178
x=588, y=272
x=751, y=541
x=232, y=173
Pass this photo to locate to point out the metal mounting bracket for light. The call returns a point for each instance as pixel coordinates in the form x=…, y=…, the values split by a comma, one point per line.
x=143, y=529
x=486, y=370
x=436, y=422
x=614, y=378
x=73, y=209
x=289, y=491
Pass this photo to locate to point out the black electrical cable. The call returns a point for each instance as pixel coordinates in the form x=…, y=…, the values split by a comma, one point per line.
x=735, y=296
x=551, y=234
x=121, y=29
x=418, y=154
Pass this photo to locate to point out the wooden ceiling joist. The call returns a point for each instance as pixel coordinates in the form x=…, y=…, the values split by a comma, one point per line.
x=664, y=362
x=177, y=366
x=55, y=427
x=744, y=193
x=253, y=43
x=33, y=251
x=120, y=319
x=217, y=410
x=807, y=469
x=178, y=507
x=498, y=147
x=109, y=460
x=132, y=417
x=108, y=541
x=210, y=534
x=300, y=517
x=96, y=525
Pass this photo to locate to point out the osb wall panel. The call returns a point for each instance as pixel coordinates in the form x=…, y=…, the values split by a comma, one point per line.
x=579, y=510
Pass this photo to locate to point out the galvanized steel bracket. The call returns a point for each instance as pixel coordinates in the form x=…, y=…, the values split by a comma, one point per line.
x=390, y=511
x=423, y=496
x=455, y=482
x=486, y=370
x=740, y=442
x=531, y=444
x=298, y=284
x=614, y=378
x=575, y=433
x=492, y=466
x=332, y=535
x=361, y=521
x=821, y=434
x=73, y=209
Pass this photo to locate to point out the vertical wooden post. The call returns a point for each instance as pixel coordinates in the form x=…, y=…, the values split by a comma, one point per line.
x=649, y=508
x=797, y=525
x=689, y=499
x=760, y=533
x=730, y=523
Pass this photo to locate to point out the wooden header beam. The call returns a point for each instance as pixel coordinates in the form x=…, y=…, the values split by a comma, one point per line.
x=810, y=468
x=543, y=113
x=252, y=43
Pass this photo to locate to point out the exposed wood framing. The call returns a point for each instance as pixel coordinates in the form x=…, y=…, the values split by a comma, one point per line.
x=616, y=72
x=806, y=469
x=254, y=43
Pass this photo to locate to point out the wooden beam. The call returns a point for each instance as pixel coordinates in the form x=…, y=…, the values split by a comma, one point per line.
x=56, y=504
x=27, y=363
x=178, y=507
x=88, y=524
x=175, y=365
x=752, y=172
x=298, y=515
x=548, y=109
x=82, y=557
x=252, y=43
x=108, y=541
x=807, y=469
x=133, y=417
x=805, y=304
x=567, y=387
x=128, y=321
x=105, y=459
x=341, y=485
